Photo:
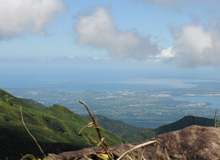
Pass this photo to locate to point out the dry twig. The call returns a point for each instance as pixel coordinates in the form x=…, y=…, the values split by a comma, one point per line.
x=136, y=147
x=105, y=146
x=215, y=118
x=101, y=142
x=167, y=156
x=93, y=140
x=129, y=157
x=87, y=157
x=88, y=125
x=142, y=155
x=22, y=119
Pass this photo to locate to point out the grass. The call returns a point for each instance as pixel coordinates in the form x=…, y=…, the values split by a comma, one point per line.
x=56, y=129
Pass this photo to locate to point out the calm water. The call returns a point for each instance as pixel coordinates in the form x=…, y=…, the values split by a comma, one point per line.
x=97, y=77
x=98, y=85
x=215, y=101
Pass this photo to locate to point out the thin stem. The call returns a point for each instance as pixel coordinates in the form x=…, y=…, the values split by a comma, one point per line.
x=215, y=118
x=22, y=119
x=105, y=146
x=101, y=142
x=136, y=147
x=88, y=125
x=167, y=156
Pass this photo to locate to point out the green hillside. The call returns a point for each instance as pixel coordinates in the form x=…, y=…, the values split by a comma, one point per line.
x=136, y=134
x=35, y=103
x=180, y=124
x=120, y=128
x=56, y=129
x=185, y=122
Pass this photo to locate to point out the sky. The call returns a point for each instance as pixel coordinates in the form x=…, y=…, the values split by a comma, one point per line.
x=164, y=36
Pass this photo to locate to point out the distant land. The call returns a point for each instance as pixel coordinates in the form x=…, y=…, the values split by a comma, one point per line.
x=56, y=128
x=132, y=134
x=149, y=108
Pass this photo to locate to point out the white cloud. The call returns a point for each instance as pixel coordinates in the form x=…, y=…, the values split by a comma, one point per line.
x=196, y=46
x=98, y=30
x=167, y=53
x=21, y=16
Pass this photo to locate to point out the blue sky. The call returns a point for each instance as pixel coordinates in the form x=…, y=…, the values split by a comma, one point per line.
x=162, y=35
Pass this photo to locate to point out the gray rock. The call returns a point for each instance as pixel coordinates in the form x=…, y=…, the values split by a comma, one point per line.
x=191, y=143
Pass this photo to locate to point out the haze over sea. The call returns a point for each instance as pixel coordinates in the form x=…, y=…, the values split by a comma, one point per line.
x=99, y=78
x=114, y=84
x=112, y=76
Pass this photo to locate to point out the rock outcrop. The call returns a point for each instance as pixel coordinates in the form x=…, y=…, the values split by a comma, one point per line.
x=191, y=143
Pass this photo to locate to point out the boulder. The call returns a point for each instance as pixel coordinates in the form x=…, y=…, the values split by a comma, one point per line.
x=191, y=143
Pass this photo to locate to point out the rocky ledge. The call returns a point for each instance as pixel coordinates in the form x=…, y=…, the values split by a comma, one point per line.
x=191, y=143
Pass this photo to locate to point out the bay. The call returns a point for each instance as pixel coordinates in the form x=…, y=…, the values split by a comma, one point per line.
x=213, y=100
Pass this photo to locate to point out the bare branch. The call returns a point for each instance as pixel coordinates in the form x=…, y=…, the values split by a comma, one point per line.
x=129, y=157
x=93, y=140
x=87, y=157
x=167, y=156
x=136, y=147
x=22, y=119
x=105, y=146
x=101, y=141
x=142, y=155
x=88, y=125
x=215, y=118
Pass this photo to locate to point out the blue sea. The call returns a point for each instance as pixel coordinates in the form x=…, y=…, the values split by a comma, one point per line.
x=119, y=84
x=113, y=84
x=70, y=77
x=213, y=100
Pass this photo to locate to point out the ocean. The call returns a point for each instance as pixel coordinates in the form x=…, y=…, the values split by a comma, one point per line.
x=213, y=100
x=119, y=84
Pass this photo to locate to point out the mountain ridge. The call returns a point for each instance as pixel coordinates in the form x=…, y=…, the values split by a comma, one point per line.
x=56, y=129
x=131, y=134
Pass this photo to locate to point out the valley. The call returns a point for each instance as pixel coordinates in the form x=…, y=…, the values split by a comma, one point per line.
x=56, y=128
x=140, y=108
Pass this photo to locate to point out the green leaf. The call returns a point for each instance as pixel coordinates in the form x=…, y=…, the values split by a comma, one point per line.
x=28, y=157
x=103, y=156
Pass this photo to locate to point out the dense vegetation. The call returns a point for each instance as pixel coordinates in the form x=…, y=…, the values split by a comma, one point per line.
x=56, y=129
x=34, y=103
x=136, y=134
x=140, y=108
